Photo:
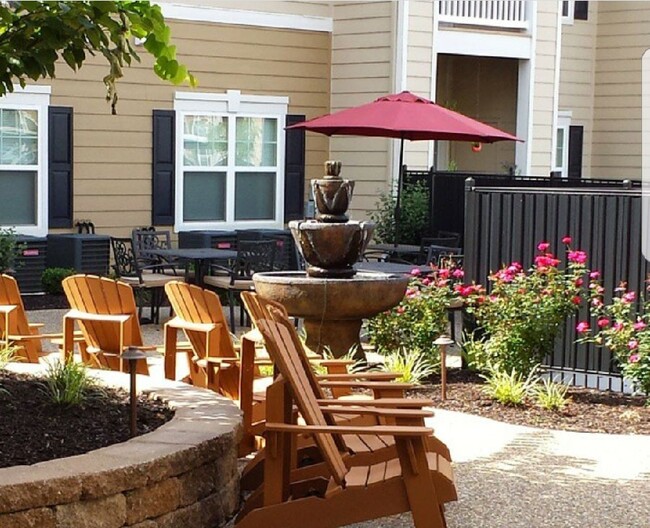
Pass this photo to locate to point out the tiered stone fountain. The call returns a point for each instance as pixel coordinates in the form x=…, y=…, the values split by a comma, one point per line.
x=331, y=296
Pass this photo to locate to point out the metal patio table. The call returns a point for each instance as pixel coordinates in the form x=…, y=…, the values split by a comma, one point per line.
x=201, y=257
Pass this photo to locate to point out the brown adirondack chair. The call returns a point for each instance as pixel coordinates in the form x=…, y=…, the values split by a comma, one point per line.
x=107, y=315
x=367, y=449
x=416, y=481
x=15, y=327
x=213, y=360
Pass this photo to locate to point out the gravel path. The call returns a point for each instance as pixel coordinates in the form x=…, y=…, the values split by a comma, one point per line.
x=520, y=477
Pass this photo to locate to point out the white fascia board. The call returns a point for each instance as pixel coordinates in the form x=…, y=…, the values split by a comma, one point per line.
x=240, y=17
x=483, y=44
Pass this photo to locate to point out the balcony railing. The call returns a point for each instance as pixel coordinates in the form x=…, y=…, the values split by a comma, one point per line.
x=506, y=14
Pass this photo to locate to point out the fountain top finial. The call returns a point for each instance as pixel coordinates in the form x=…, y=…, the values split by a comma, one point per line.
x=332, y=170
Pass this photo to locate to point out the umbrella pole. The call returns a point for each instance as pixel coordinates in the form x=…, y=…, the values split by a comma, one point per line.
x=398, y=205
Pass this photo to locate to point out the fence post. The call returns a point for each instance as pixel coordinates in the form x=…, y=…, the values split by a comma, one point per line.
x=555, y=175
x=627, y=184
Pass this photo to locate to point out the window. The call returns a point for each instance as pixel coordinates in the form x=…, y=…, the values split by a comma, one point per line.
x=230, y=160
x=567, y=11
x=561, y=150
x=574, y=10
x=23, y=160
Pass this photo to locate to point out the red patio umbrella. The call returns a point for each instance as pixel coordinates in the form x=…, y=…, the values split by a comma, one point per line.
x=405, y=116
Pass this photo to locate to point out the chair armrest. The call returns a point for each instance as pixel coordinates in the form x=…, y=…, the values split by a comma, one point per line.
x=36, y=325
x=398, y=403
x=221, y=270
x=84, y=316
x=374, y=411
x=182, y=324
x=366, y=385
x=387, y=430
x=368, y=376
x=333, y=362
x=33, y=337
x=220, y=360
x=7, y=308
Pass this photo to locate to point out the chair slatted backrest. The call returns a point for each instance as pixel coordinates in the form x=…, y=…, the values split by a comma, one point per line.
x=103, y=296
x=10, y=296
x=279, y=342
x=196, y=305
x=126, y=264
x=257, y=309
x=19, y=324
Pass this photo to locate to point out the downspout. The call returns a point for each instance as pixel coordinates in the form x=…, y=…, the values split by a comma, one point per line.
x=431, y=154
x=556, y=85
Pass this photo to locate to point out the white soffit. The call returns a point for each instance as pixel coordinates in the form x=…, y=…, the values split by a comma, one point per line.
x=240, y=17
x=483, y=44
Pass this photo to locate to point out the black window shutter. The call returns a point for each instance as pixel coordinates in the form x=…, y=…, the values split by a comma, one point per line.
x=581, y=11
x=574, y=170
x=60, y=130
x=294, y=170
x=163, y=167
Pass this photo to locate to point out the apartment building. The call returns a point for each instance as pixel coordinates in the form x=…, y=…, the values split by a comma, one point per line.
x=563, y=76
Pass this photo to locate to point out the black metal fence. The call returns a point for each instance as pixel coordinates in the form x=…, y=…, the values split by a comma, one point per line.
x=505, y=224
x=447, y=191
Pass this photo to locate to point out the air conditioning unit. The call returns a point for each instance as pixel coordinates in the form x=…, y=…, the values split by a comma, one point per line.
x=207, y=239
x=84, y=253
x=30, y=263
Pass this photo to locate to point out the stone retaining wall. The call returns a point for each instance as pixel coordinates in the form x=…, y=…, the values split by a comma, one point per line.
x=183, y=475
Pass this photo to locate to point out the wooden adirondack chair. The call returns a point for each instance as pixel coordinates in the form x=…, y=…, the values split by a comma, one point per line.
x=107, y=315
x=15, y=327
x=416, y=481
x=367, y=449
x=212, y=358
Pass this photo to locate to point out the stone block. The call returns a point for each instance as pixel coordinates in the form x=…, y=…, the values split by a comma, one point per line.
x=152, y=501
x=25, y=495
x=198, y=483
x=37, y=518
x=109, y=512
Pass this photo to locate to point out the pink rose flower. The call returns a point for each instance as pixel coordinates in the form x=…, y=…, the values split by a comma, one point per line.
x=579, y=282
x=566, y=240
x=426, y=281
x=579, y=257
x=603, y=322
x=618, y=326
x=639, y=325
x=634, y=358
x=543, y=246
x=629, y=297
x=576, y=300
x=582, y=327
x=443, y=273
x=400, y=309
x=458, y=273
x=594, y=275
x=415, y=272
x=633, y=344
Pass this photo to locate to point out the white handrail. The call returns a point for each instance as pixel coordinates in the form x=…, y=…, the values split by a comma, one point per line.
x=509, y=14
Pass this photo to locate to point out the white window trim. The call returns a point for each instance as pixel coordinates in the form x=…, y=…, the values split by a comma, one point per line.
x=568, y=19
x=563, y=122
x=231, y=104
x=34, y=98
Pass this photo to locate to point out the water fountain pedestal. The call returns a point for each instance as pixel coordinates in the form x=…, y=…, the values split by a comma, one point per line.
x=333, y=309
x=331, y=296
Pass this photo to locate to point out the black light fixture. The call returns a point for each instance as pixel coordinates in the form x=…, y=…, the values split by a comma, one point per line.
x=132, y=354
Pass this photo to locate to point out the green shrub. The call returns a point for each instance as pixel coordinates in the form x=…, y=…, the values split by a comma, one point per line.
x=522, y=311
x=508, y=389
x=414, y=216
x=67, y=382
x=53, y=277
x=10, y=249
x=420, y=318
x=550, y=395
x=411, y=365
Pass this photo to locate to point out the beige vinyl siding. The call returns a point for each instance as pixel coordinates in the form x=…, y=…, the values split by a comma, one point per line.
x=418, y=80
x=623, y=36
x=544, y=79
x=577, y=70
x=362, y=70
x=288, y=7
x=113, y=154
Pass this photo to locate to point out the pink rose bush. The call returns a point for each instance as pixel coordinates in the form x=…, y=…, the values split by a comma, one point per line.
x=521, y=311
x=421, y=317
x=622, y=326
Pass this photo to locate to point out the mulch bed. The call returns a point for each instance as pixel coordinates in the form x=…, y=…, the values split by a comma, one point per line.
x=32, y=429
x=588, y=410
x=45, y=302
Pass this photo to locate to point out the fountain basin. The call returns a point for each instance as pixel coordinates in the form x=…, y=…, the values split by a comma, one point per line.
x=331, y=250
x=333, y=309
